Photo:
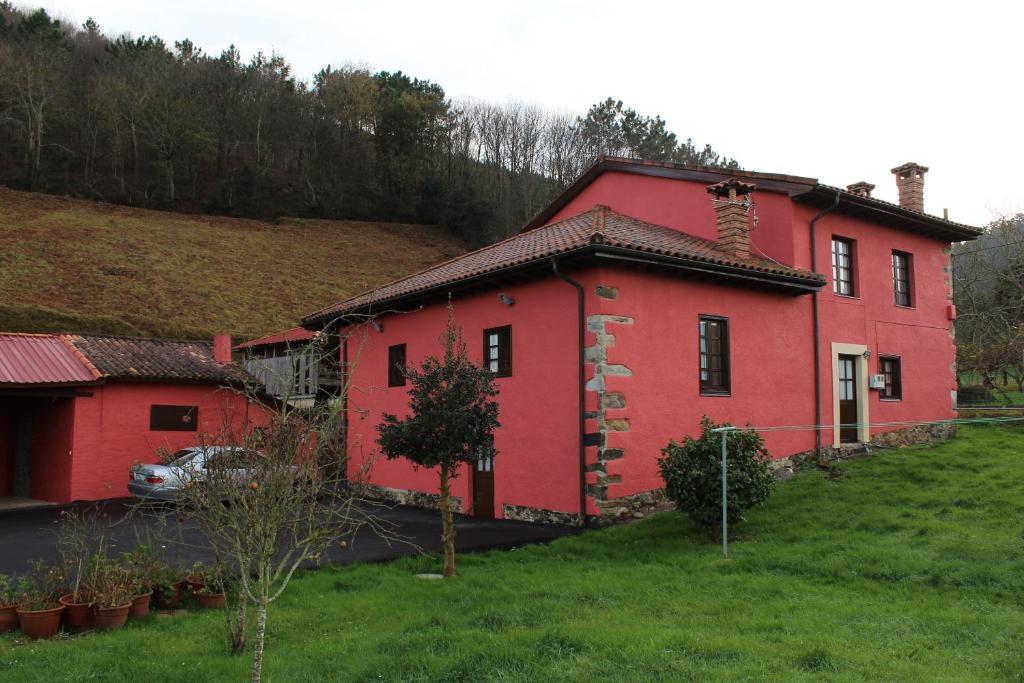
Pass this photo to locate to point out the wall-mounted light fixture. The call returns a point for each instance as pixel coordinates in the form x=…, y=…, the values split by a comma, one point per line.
x=377, y=326
x=867, y=354
x=506, y=299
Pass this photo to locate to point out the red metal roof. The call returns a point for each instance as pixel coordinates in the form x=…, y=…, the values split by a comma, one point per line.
x=42, y=359
x=599, y=227
x=291, y=336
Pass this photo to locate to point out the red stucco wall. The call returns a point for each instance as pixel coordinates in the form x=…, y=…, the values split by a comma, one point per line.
x=537, y=462
x=685, y=206
x=111, y=431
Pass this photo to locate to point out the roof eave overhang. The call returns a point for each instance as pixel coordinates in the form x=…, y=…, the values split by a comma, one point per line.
x=885, y=213
x=775, y=281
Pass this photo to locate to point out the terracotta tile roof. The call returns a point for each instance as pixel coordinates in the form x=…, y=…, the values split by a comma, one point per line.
x=42, y=359
x=290, y=336
x=155, y=359
x=592, y=229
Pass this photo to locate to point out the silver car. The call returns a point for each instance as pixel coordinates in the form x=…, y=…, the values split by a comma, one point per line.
x=165, y=482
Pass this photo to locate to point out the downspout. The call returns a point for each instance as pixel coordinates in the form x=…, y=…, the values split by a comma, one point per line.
x=581, y=321
x=817, y=336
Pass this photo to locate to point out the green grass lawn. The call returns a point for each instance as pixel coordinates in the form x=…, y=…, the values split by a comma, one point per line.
x=908, y=567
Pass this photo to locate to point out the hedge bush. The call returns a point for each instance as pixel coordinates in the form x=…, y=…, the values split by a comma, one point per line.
x=692, y=471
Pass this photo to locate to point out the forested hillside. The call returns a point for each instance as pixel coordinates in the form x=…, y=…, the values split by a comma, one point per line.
x=70, y=265
x=132, y=120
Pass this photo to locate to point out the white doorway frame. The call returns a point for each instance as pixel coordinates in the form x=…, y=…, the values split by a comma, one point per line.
x=861, y=374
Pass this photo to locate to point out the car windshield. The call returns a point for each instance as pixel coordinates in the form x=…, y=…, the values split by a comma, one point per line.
x=184, y=456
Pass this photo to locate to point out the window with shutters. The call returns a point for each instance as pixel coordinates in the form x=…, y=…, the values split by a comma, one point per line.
x=842, y=267
x=901, y=278
x=890, y=369
x=714, y=355
x=173, y=418
x=396, y=365
x=498, y=350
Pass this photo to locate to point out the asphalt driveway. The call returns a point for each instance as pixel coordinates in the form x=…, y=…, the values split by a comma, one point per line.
x=26, y=535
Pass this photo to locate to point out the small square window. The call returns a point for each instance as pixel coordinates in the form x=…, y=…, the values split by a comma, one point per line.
x=498, y=351
x=396, y=365
x=891, y=370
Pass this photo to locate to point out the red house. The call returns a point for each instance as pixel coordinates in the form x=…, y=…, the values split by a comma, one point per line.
x=76, y=410
x=650, y=294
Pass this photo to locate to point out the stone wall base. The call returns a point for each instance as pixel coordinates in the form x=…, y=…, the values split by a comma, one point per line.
x=918, y=435
x=522, y=513
x=431, y=501
x=633, y=506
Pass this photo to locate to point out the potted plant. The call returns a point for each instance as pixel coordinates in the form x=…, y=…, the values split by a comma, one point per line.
x=197, y=576
x=113, y=593
x=211, y=592
x=144, y=568
x=78, y=604
x=167, y=586
x=8, y=605
x=39, y=609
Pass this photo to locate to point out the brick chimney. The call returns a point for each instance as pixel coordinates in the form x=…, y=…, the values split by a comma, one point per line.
x=730, y=199
x=910, y=184
x=222, y=348
x=861, y=189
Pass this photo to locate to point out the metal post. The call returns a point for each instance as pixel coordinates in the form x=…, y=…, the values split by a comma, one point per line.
x=725, y=507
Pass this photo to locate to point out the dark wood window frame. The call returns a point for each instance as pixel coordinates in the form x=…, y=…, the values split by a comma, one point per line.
x=891, y=367
x=844, y=271
x=705, y=371
x=396, y=365
x=902, y=279
x=167, y=418
x=499, y=362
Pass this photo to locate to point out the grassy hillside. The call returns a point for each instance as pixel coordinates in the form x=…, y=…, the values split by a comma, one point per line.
x=71, y=265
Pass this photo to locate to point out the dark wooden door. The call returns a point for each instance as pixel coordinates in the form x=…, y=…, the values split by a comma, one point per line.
x=848, y=416
x=483, y=488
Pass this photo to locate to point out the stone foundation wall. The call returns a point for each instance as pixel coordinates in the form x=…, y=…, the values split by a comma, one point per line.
x=918, y=435
x=539, y=515
x=431, y=501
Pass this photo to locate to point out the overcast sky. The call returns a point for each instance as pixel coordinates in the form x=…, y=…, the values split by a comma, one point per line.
x=837, y=91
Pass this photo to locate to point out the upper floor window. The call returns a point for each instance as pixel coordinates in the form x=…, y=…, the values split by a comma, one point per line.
x=890, y=367
x=714, y=355
x=396, y=365
x=901, y=278
x=498, y=350
x=842, y=266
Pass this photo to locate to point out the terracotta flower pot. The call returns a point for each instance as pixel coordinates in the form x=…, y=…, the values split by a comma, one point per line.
x=41, y=623
x=140, y=605
x=211, y=599
x=78, y=616
x=108, y=618
x=195, y=583
x=169, y=599
x=8, y=618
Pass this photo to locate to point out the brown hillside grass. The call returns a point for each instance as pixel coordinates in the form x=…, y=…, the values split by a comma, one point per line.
x=74, y=265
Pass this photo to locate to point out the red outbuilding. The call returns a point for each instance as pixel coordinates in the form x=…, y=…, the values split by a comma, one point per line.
x=77, y=410
x=651, y=294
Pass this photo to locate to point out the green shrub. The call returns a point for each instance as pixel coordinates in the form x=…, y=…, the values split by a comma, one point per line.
x=692, y=471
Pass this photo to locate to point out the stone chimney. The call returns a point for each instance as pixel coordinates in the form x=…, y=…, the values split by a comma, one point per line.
x=861, y=189
x=910, y=184
x=222, y=348
x=730, y=199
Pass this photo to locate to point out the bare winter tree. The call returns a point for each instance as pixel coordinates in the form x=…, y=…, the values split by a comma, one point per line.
x=273, y=494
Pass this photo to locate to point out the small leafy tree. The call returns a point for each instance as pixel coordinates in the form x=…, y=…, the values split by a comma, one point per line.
x=451, y=422
x=692, y=471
